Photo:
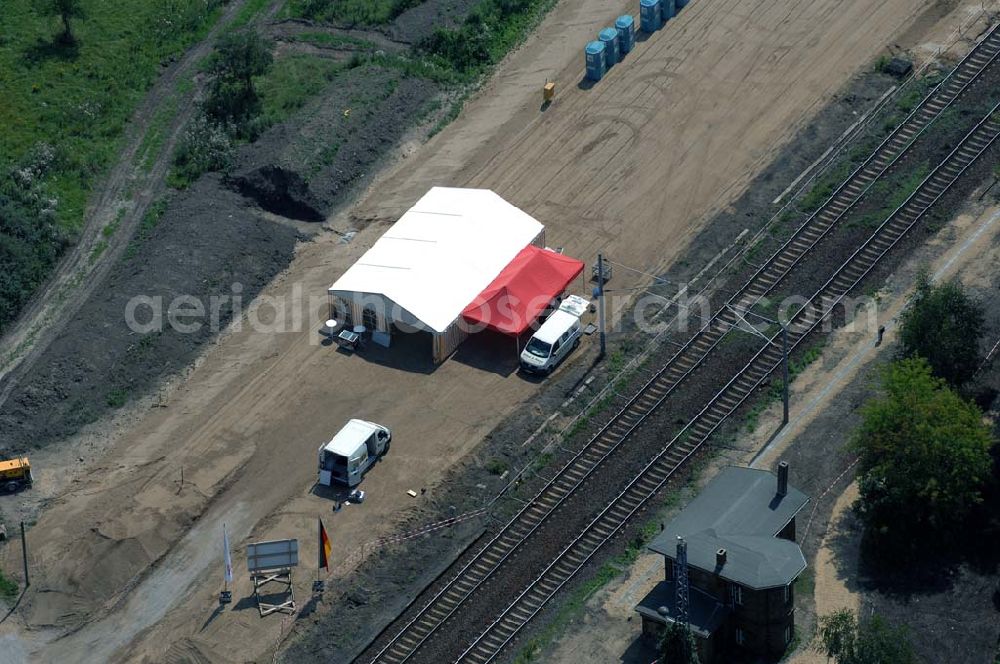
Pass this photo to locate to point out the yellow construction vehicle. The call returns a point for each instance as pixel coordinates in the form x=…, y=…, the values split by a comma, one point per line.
x=15, y=474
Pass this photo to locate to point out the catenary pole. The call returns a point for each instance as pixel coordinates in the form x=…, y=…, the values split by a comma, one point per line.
x=600, y=302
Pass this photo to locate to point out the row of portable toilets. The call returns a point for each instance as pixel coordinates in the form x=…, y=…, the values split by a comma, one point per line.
x=614, y=43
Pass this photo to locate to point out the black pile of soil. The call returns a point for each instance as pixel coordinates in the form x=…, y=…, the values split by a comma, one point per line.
x=205, y=242
x=421, y=21
x=304, y=169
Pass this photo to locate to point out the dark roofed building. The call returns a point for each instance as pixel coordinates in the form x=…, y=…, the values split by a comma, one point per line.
x=742, y=562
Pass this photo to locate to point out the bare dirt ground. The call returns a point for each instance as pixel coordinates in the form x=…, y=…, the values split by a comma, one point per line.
x=630, y=166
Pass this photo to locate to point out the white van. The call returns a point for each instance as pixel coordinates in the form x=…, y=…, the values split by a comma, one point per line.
x=551, y=343
x=352, y=451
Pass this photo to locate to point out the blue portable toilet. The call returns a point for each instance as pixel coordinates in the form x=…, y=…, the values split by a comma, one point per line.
x=626, y=33
x=595, y=60
x=668, y=9
x=649, y=16
x=610, y=38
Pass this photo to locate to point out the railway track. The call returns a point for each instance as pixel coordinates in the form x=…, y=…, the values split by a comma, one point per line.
x=407, y=641
x=686, y=442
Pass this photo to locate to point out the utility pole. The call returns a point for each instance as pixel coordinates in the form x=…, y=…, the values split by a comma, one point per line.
x=24, y=556
x=784, y=350
x=784, y=364
x=599, y=291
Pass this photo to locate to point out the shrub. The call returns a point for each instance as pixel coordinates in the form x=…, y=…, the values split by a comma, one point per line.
x=31, y=240
x=350, y=12
x=177, y=17
x=238, y=59
x=924, y=459
x=872, y=640
x=943, y=324
x=677, y=645
x=206, y=146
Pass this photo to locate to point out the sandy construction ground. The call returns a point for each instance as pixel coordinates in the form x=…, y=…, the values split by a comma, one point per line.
x=126, y=560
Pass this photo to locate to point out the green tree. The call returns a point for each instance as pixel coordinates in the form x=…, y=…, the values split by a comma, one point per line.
x=943, y=324
x=239, y=57
x=848, y=640
x=677, y=645
x=924, y=456
x=66, y=10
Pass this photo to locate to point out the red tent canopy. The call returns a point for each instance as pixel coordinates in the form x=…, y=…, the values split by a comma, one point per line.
x=522, y=290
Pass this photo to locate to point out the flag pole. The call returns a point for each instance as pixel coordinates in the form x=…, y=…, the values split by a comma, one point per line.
x=225, y=597
x=322, y=555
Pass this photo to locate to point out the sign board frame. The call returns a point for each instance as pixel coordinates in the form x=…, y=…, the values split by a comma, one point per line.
x=272, y=555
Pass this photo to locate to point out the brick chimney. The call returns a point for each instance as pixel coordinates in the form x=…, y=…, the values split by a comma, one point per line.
x=783, y=478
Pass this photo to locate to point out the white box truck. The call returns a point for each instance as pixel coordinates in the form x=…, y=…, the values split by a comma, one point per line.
x=558, y=335
x=352, y=451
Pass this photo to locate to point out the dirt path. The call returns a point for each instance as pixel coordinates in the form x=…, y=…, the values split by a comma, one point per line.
x=831, y=592
x=127, y=191
x=630, y=166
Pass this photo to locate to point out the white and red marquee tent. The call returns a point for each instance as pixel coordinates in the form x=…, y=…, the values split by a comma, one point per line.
x=453, y=253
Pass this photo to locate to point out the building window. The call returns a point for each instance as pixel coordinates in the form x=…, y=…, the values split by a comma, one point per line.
x=788, y=634
x=788, y=593
x=736, y=591
x=741, y=637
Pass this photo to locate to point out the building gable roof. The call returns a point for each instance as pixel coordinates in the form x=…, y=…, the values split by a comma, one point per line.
x=441, y=254
x=739, y=511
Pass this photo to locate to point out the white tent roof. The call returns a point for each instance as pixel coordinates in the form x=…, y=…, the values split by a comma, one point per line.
x=441, y=254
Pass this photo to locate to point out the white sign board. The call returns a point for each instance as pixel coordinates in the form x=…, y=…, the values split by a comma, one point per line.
x=276, y=554
x=575, y=305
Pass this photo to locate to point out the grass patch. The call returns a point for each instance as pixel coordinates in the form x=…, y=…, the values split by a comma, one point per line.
x=116, y=398
x=453, y=111
x=106, y=233
x=793, y=645
x=490, y=31
x=805, y=585
x=825, y=187
x=348, y=12
x=248, y=12
x=541, y=461
x=496, y=466
x=146, y=226
x=8, y=587
x=616, y=360
x=156, y=134
x=893, y=192
x=291, y=82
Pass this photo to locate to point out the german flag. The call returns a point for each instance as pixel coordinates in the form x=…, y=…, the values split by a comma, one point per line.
x=324, y=547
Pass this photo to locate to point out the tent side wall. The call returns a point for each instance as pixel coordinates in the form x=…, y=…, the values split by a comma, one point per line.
x=446, y=342
x=351, y=308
